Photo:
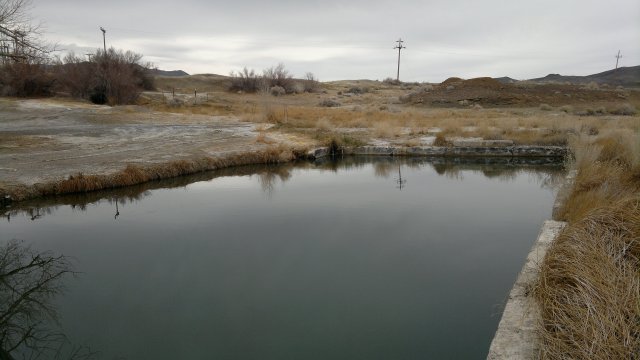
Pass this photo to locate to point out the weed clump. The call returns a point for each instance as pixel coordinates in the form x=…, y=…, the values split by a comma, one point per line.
x=589, y=285
x=441, y=140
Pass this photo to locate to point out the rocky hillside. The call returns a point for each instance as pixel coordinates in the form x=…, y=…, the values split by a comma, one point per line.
x=624, y=76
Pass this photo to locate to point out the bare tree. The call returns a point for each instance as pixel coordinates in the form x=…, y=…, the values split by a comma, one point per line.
x=22, y=52
x=19, y=37
x=29, y=281
x=75, y=75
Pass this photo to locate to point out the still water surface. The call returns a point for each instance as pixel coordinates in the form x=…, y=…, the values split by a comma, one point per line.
x=340, y=260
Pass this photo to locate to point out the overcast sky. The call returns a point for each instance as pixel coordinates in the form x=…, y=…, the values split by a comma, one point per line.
x=354, y=39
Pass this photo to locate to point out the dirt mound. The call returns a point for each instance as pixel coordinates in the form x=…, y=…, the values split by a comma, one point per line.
x=485, y=91
x=483, y=82
x=452, y=81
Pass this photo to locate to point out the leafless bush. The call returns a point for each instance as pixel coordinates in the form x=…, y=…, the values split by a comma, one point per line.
x=119, y=77
x=391, y=81
x=278, y=76
x=310, y=83
x=245, y=80
x=75, y=75
x=25, y=79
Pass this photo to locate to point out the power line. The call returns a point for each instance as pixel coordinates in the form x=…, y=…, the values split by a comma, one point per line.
x=399, y=47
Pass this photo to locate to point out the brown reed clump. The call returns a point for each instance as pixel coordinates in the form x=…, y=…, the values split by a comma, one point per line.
x=589, y=285
x=136, y=174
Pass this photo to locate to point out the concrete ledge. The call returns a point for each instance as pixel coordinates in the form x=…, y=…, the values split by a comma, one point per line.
x=516, y=337
x=455, y=151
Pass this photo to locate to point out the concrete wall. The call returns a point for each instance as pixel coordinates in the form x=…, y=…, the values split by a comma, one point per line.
x=454, y=151
x=516, y=338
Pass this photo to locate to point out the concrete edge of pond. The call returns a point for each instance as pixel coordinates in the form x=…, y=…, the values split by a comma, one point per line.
x=516, y=337
x=15, y=192
x=479, y=151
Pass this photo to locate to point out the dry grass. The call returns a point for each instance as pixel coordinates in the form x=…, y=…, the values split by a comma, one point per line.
x=589, y=286
x=135, y=174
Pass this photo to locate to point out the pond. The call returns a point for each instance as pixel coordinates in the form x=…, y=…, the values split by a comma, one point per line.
x=357, y=258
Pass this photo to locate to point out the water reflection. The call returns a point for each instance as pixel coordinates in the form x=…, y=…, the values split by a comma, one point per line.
x=548, y=171
x=29, y=283
x=288, y=261
x=400, y=181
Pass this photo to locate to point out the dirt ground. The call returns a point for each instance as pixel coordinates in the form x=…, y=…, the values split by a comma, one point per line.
x=47, y=140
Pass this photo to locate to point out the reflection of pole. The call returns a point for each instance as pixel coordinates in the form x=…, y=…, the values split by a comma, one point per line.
x=117, y=211
x=401, y=182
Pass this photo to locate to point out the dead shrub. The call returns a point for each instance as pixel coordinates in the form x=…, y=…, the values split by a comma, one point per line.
x=26, y=80
x=278, y=76
x=118, y=77
x=245, y=80
x=624, y=109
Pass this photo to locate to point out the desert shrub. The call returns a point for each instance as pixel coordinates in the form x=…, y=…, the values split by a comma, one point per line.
x=245, y=80
x=113, y=77
x=329, y=103
x=25, y=80
x=118, y=78
x=277, y=91
x=310, y=83
x=298, y=87
x=391, y=81
x=624, y=109
x=278, y=76
x=546, y=107
x=75, y=75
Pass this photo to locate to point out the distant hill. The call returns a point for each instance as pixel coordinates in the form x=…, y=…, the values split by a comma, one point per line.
x=158, y=72
x=625, y=76
x=506, y=80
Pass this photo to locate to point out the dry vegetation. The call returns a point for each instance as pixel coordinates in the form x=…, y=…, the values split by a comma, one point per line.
x=134, y=174
x=589, y=287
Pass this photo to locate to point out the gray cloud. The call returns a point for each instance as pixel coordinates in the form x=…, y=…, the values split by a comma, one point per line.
x=354, y=39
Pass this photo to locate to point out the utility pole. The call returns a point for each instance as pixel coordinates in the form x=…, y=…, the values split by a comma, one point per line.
x=399, y=47
x=104, y=38
x=618, y=59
